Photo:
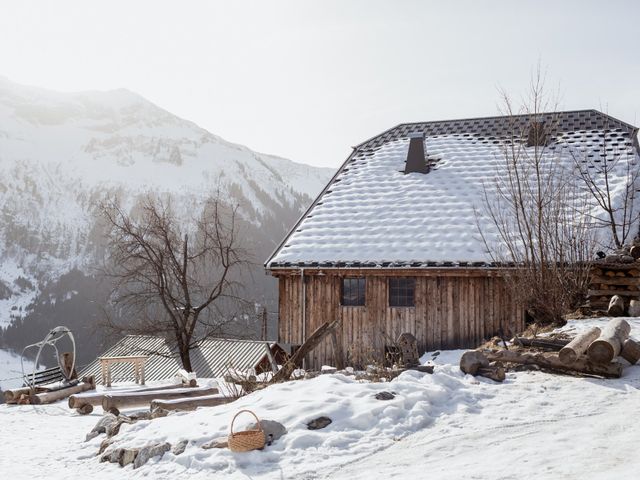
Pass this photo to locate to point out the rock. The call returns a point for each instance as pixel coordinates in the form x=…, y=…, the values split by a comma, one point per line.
x=634, y=308
x=104, y=445
x=127, y=456
x=221, y=442
x=627, y=259
x=612, y=258
x=159, y=412
x=326, y=369
x=112, y=456
x=384, y=395
x=272, y=430
x=471, y=362
x=180, y=447
x=107, y=421
x=319, y=423
x=310, y=375
x=147, y=453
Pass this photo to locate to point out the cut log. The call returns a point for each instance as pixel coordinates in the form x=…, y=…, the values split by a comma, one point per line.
x=186, y=404
x=308, y=346
x=616, y=306
x=634, y=308
x=546, y=343
x=609, y=344
x=578, y=346
x=551, y=361
x=50, y=397
x=472, y=361
x=493, y=372
x=630, y=351
x=77, y=401
x=116, y=401
x=12, y=396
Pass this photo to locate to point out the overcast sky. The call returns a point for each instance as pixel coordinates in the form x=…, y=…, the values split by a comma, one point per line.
x=308, y=79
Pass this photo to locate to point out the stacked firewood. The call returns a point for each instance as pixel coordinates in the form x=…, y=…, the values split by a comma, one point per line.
x=616, y=274
x=593, y=352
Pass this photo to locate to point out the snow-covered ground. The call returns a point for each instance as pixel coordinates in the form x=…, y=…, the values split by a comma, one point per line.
x=445, y=425
x=11, y=370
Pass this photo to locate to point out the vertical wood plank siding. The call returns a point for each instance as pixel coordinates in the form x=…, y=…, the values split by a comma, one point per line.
x=450, y=312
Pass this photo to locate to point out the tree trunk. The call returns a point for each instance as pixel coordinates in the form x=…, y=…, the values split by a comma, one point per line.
x=616, y=306
x=608, y=346
x=552, y=362
x=571, y=352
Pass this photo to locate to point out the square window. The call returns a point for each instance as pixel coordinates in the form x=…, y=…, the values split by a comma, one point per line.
x=402, y=292
x=353, y=292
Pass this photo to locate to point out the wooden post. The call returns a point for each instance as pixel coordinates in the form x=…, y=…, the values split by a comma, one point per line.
x=609, y=344
x=337, y=350
x=272, y=361
x=264, y=323
x=571, y=352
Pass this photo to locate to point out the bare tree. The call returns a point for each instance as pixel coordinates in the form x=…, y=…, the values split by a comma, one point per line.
x=612, y=181
x=173, y=276
x=537, y=213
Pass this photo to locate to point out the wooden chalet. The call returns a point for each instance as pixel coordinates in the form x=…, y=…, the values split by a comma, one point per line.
x=392, y=244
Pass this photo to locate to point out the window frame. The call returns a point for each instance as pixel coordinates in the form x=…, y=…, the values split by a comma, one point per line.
x=403, y=294
x=361, y=291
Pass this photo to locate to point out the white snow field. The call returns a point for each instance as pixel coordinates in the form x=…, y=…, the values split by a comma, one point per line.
x=11, y=369
x=447, y=426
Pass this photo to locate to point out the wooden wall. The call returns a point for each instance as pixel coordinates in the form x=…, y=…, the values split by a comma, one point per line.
x=453, y=309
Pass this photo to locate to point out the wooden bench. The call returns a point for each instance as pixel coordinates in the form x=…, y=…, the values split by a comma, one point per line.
x=44, y=377
x=138, y=362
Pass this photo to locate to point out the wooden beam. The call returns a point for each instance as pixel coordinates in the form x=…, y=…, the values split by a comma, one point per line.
x=117, y=401
x=187, y=404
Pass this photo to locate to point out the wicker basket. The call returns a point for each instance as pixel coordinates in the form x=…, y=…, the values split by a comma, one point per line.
x=247, y=440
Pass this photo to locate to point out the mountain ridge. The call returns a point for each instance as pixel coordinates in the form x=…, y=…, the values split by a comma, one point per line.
x=61, y=154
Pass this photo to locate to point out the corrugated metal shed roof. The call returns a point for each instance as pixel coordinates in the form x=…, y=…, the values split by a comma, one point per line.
x=211, y=358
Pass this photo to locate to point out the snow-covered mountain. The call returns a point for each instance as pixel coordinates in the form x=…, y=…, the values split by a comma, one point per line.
x=61, y=153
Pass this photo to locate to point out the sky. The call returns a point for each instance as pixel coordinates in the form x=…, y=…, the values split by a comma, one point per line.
x=307, y=80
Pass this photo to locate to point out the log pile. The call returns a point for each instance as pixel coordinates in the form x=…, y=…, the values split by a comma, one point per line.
x=593, y=352
x=43, y=394
x=610, y=279
x=84, y=403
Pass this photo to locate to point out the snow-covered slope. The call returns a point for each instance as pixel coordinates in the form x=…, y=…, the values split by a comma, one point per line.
x=447, y=425
x=61, y=153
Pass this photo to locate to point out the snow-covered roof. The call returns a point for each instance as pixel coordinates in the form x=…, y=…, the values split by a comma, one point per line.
x=372, y=214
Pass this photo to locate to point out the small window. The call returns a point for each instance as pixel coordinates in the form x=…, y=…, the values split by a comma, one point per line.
x=353, y=291
x=402, y=292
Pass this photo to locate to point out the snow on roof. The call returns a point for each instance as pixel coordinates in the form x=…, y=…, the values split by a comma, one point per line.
x=373, y=214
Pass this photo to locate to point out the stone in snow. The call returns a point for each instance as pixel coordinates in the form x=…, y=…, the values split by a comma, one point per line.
x=319, y=423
